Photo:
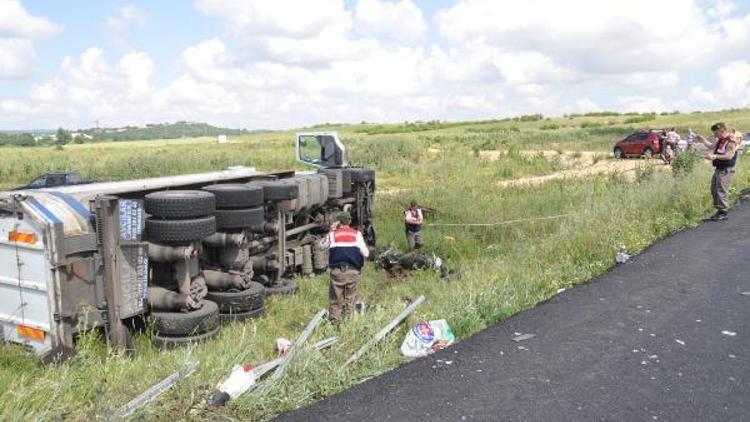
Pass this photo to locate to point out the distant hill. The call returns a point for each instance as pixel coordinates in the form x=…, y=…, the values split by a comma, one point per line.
x=160, y=131
x=175, y=130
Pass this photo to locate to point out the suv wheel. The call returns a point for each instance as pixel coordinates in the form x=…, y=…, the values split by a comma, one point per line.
x=618, y=153
x=647, y=153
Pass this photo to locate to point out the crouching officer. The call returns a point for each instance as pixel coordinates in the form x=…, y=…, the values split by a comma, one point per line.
x=347, y=252
x=414, y=219
x=723, y=158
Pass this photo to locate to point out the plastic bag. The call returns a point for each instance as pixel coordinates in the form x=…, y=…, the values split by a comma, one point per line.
x=427, y=337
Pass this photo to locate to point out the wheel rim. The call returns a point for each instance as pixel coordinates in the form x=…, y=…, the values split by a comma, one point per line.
x=647, y=153
x=618, y=153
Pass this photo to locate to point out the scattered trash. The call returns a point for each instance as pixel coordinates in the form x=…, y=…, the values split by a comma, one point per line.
x=155, y=391
x=387, y=329
x=426, y=338
x=283, y=345
x=221, y=396
x=360, y=307
x=523, y=337
x=239, y=380
x=622, y=256
x=680, y=342
x=745, y=293
x=560, y=290
x=317, y=319
x=729, y=333
x=398, y=265
x=450, y=362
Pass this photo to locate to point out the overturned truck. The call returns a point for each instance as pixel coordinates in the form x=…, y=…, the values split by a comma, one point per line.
x=187, y=251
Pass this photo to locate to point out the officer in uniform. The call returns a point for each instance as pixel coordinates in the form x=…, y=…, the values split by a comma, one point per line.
x=414, y=219
x=347, y=252
x=723, y=158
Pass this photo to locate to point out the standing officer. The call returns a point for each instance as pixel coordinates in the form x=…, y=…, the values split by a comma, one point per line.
x=347, y=251
x=414, y=220
x=723, y=158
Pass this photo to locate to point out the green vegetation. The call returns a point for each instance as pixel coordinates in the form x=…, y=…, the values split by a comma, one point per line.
x=506, y=268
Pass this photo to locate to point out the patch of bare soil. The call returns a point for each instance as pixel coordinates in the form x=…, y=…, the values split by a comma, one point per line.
x=603, y=166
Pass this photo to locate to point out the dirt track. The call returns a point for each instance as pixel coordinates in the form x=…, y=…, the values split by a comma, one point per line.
x=578, y=164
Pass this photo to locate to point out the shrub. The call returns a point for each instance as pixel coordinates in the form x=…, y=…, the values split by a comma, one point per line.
x=683, y=163
x=550, y=126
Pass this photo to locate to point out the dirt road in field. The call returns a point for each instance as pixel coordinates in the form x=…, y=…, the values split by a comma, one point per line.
x=577, y=164
x=664, y=337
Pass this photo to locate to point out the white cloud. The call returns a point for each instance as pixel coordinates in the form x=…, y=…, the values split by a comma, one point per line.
x=126, y=15
x=288, y=63
x=18, y=32
x=401, y=20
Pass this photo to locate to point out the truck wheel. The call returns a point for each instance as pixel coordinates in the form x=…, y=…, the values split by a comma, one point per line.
x=274, y=191
x=249, y=299
x=283, y=289
x=235, y=195
x=239, y=219
x=362, y=175
x=203, y=320
x=239, y=316
x=180, y=203
x=168, y=342
x=188, y=230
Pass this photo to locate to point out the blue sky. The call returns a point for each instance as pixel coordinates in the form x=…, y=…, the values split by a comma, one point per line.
x=289, y=63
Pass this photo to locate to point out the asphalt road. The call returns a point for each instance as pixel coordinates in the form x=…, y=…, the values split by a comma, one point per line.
x=663, y=337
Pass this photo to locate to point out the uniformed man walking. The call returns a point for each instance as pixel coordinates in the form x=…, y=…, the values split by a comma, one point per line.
x=723, y=157
x=414, y=219
x=347, y=252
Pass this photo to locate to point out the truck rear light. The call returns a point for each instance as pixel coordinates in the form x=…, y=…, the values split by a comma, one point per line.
x=22, y=237
x=32, y=333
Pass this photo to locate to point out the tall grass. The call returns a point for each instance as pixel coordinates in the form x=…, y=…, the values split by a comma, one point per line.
x=506, y=268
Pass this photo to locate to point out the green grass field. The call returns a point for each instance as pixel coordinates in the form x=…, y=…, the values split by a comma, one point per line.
x=506, y=268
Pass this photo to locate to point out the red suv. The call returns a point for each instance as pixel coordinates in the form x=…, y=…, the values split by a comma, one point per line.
x=640, y=144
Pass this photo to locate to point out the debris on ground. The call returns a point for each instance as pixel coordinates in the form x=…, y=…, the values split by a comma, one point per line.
x=283, y=345
x=729, y=333
x=522, y=337
x=745, y=293
x=680, y=342
x=155, y=391
x=240, y=384
x=399, y=265
x=387, y=329
x=286, y=359
x=426, y=338
x=622, y=256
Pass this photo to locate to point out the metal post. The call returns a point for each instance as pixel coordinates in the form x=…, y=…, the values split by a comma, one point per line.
x=380, y=335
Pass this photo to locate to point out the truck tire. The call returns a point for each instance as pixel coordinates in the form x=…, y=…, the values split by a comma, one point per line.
x=180, y=204
x=171, y=324
x=188, y=230
x=362, y=175
x=246, y=300
x=240, y=316
x=283, y=289
x=169, y=342
x=239, y=219
x=274, y=190
x=235, y=195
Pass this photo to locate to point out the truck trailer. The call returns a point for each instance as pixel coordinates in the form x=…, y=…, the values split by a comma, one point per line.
x=182, y=253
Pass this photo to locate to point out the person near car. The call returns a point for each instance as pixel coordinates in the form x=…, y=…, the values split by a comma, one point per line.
x=673, y=137
x=414, y=220
x=723, y=157
x=347, y=252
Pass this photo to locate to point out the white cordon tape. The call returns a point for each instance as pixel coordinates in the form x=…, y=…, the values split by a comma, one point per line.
x=501, y=223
